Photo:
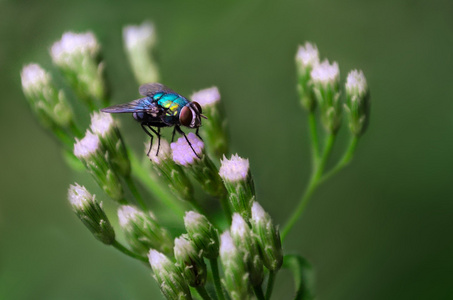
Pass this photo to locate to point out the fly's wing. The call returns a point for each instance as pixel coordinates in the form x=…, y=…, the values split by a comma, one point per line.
x=149, y=89
x=139, y=105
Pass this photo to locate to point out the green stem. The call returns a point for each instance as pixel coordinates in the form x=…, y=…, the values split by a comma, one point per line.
x=203, y=293
x=259, y=292
x=313, y=136
x=325, y=156
x=133, y=188
x=128, y=252
x=216, y=277
x=270, y=284
x=154, y=187
x=344, y=160
x=312, y=185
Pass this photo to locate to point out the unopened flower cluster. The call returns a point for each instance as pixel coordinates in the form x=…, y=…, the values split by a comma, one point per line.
x=319, y=86
x=244, y=239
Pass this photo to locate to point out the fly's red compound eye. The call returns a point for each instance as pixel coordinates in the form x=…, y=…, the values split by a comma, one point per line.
x=185, y=116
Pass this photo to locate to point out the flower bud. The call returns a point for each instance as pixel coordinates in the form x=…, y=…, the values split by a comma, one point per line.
x=357, y=104
x=267, y=237
x=104, y=127
x=90, y=212
x=48, y=103
x=306, y=58
x=139, y=41
x=89, y=151
x=202, y=233
x=199, y=164
x=214, y=129
x=326, y=79
x=76, y=55
x=142, y=231
x=238, y=181
x=236, y=278
x=190, y=261
x=169, y=172
x=168, y=276
x=245, y=242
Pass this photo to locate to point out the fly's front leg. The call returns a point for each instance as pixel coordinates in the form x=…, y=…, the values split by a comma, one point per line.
x=182, y=132
x=196, y=133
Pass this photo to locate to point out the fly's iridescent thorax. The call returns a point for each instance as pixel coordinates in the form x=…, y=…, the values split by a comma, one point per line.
x=172, y=104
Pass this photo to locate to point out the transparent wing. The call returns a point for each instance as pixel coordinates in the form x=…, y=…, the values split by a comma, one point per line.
x=149, y=89
x=139, y=105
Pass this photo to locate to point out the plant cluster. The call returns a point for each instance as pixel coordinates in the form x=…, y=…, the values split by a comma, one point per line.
x=184, y=254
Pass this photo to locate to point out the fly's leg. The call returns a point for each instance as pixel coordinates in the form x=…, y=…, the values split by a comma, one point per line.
x=196, y=133
x=173, y=135
x=157, y=133
x=151, y=136
x=148, y=133
x=158, y=140
x=182, y=132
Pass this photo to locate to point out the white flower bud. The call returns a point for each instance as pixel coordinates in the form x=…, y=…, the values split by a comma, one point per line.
x=76, y=55
x=91, y=153
x=90, y=212
x=326, y=74
x=307, y=58
x=138, y=43
x=243, y=239
x=326, y=77
x=201, y=167
x=142, y=230
x=202, y=233
x=267, y=237
x=48, y=103
x=238, y=181
x=357, y=104
x=236, y=278
x=167, y=275
x=189, y=259
x=103, y=125
x=207, y=97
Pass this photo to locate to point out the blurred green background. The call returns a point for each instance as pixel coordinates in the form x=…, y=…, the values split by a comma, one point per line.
x=381, y=229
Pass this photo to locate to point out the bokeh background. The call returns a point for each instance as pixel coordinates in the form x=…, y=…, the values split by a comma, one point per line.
x=381, y=229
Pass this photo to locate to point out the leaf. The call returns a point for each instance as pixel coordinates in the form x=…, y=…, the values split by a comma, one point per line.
x=303, y=275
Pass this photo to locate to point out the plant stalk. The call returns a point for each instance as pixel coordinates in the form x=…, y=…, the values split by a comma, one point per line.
x=128, y=252
x=216, y=277
x=312, y=185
